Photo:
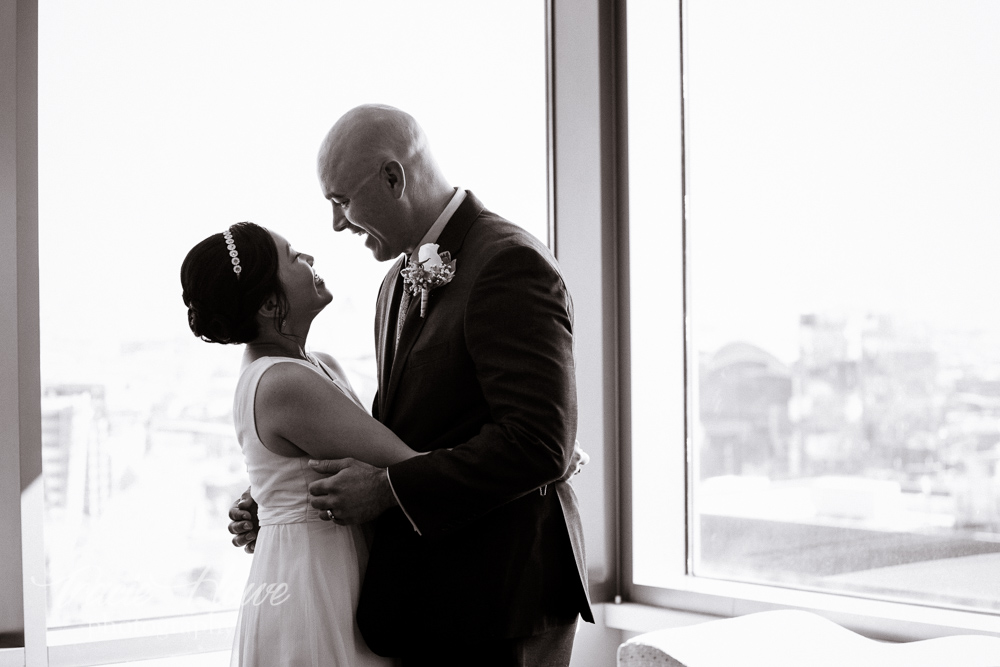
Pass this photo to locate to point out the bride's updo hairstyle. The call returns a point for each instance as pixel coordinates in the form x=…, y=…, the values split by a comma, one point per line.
x=223, y=292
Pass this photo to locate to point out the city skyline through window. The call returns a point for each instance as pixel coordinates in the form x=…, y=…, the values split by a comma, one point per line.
x=844, y=349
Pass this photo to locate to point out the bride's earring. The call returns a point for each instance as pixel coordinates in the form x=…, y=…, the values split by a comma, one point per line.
x=283, y=320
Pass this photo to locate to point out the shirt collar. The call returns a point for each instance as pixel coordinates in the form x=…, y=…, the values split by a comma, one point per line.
x=435, y=231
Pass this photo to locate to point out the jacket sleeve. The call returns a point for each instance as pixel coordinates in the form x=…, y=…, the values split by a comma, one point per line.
x=519, y=333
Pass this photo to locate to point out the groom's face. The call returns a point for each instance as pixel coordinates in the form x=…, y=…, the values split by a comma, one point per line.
x=360, y=206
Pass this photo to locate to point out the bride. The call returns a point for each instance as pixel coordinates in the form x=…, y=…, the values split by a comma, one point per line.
x=248, y=285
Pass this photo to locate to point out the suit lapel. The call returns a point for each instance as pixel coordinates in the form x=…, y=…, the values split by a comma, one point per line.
x=451, y=239
x=388, y=305
x=411, y=330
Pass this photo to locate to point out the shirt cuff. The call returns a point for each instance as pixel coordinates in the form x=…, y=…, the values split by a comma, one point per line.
x=412, y=522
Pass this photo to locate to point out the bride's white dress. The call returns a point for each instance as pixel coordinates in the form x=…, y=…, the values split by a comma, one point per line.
x=298, y=606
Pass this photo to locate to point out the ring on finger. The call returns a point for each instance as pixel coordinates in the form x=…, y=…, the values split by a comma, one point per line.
x=329, y=515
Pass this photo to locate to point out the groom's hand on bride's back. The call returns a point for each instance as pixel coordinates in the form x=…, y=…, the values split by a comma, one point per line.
x=355, y=492
x=243, y=522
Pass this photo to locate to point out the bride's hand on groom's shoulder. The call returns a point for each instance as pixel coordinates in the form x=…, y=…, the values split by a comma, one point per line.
x=243, y=522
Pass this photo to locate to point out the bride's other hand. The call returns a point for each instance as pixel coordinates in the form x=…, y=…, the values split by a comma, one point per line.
x=580, y=459
x=243, y=522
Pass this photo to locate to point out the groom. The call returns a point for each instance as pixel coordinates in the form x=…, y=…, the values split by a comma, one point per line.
x=478, y=551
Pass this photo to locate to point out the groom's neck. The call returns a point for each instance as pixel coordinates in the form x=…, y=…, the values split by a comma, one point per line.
x=429, y=209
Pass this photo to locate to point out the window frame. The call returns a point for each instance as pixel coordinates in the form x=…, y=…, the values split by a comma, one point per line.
x=676, y=587
x=20, y=417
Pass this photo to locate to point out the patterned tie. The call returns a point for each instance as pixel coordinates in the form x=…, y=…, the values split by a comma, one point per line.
x=404, y=303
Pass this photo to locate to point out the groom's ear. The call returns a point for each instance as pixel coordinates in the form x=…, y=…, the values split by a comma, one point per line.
x=394, y=177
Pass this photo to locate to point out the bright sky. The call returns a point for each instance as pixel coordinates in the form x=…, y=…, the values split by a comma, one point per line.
x=164, y=122
x=842, y=157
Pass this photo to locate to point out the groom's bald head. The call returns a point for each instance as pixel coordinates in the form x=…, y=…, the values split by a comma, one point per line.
x=367, y=135
x=376, y=168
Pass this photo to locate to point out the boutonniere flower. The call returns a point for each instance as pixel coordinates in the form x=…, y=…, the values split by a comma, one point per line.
x=429, y=271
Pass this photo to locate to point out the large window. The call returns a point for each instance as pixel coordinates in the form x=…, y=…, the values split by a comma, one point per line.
x=161, y=123
x=811, y=386
x=841, y=348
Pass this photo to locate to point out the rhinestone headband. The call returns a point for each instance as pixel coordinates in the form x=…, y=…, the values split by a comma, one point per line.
x=231, y=247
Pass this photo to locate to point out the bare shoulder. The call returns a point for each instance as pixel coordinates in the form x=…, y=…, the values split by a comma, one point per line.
x=289, y=384
x=293, y=396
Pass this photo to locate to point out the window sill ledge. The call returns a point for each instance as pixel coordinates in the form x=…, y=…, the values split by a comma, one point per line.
x=632, y=617
x=11, y=657
x=690, y=600
x=86, y=646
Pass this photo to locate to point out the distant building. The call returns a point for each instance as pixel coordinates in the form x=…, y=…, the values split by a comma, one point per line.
x=76, y=465
x=828, y=408
x=743, y=405
x=867, y=395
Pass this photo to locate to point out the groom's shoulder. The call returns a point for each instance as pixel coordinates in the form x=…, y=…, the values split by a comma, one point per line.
x=495, y=234
x=499, y=229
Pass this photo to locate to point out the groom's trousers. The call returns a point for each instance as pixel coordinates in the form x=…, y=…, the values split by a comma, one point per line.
x=549, y=649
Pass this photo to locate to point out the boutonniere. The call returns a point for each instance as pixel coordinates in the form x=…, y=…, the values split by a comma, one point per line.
x=429, y=271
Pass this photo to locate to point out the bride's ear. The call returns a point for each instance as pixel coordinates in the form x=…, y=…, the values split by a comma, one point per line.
x=269, y=309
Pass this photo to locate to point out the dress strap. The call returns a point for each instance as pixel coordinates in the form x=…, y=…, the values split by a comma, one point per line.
x=341, y=384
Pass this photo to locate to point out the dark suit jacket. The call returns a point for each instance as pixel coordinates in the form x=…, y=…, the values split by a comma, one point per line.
x=486, y=384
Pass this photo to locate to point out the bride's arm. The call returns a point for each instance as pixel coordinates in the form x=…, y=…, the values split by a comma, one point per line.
x=298, y=412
